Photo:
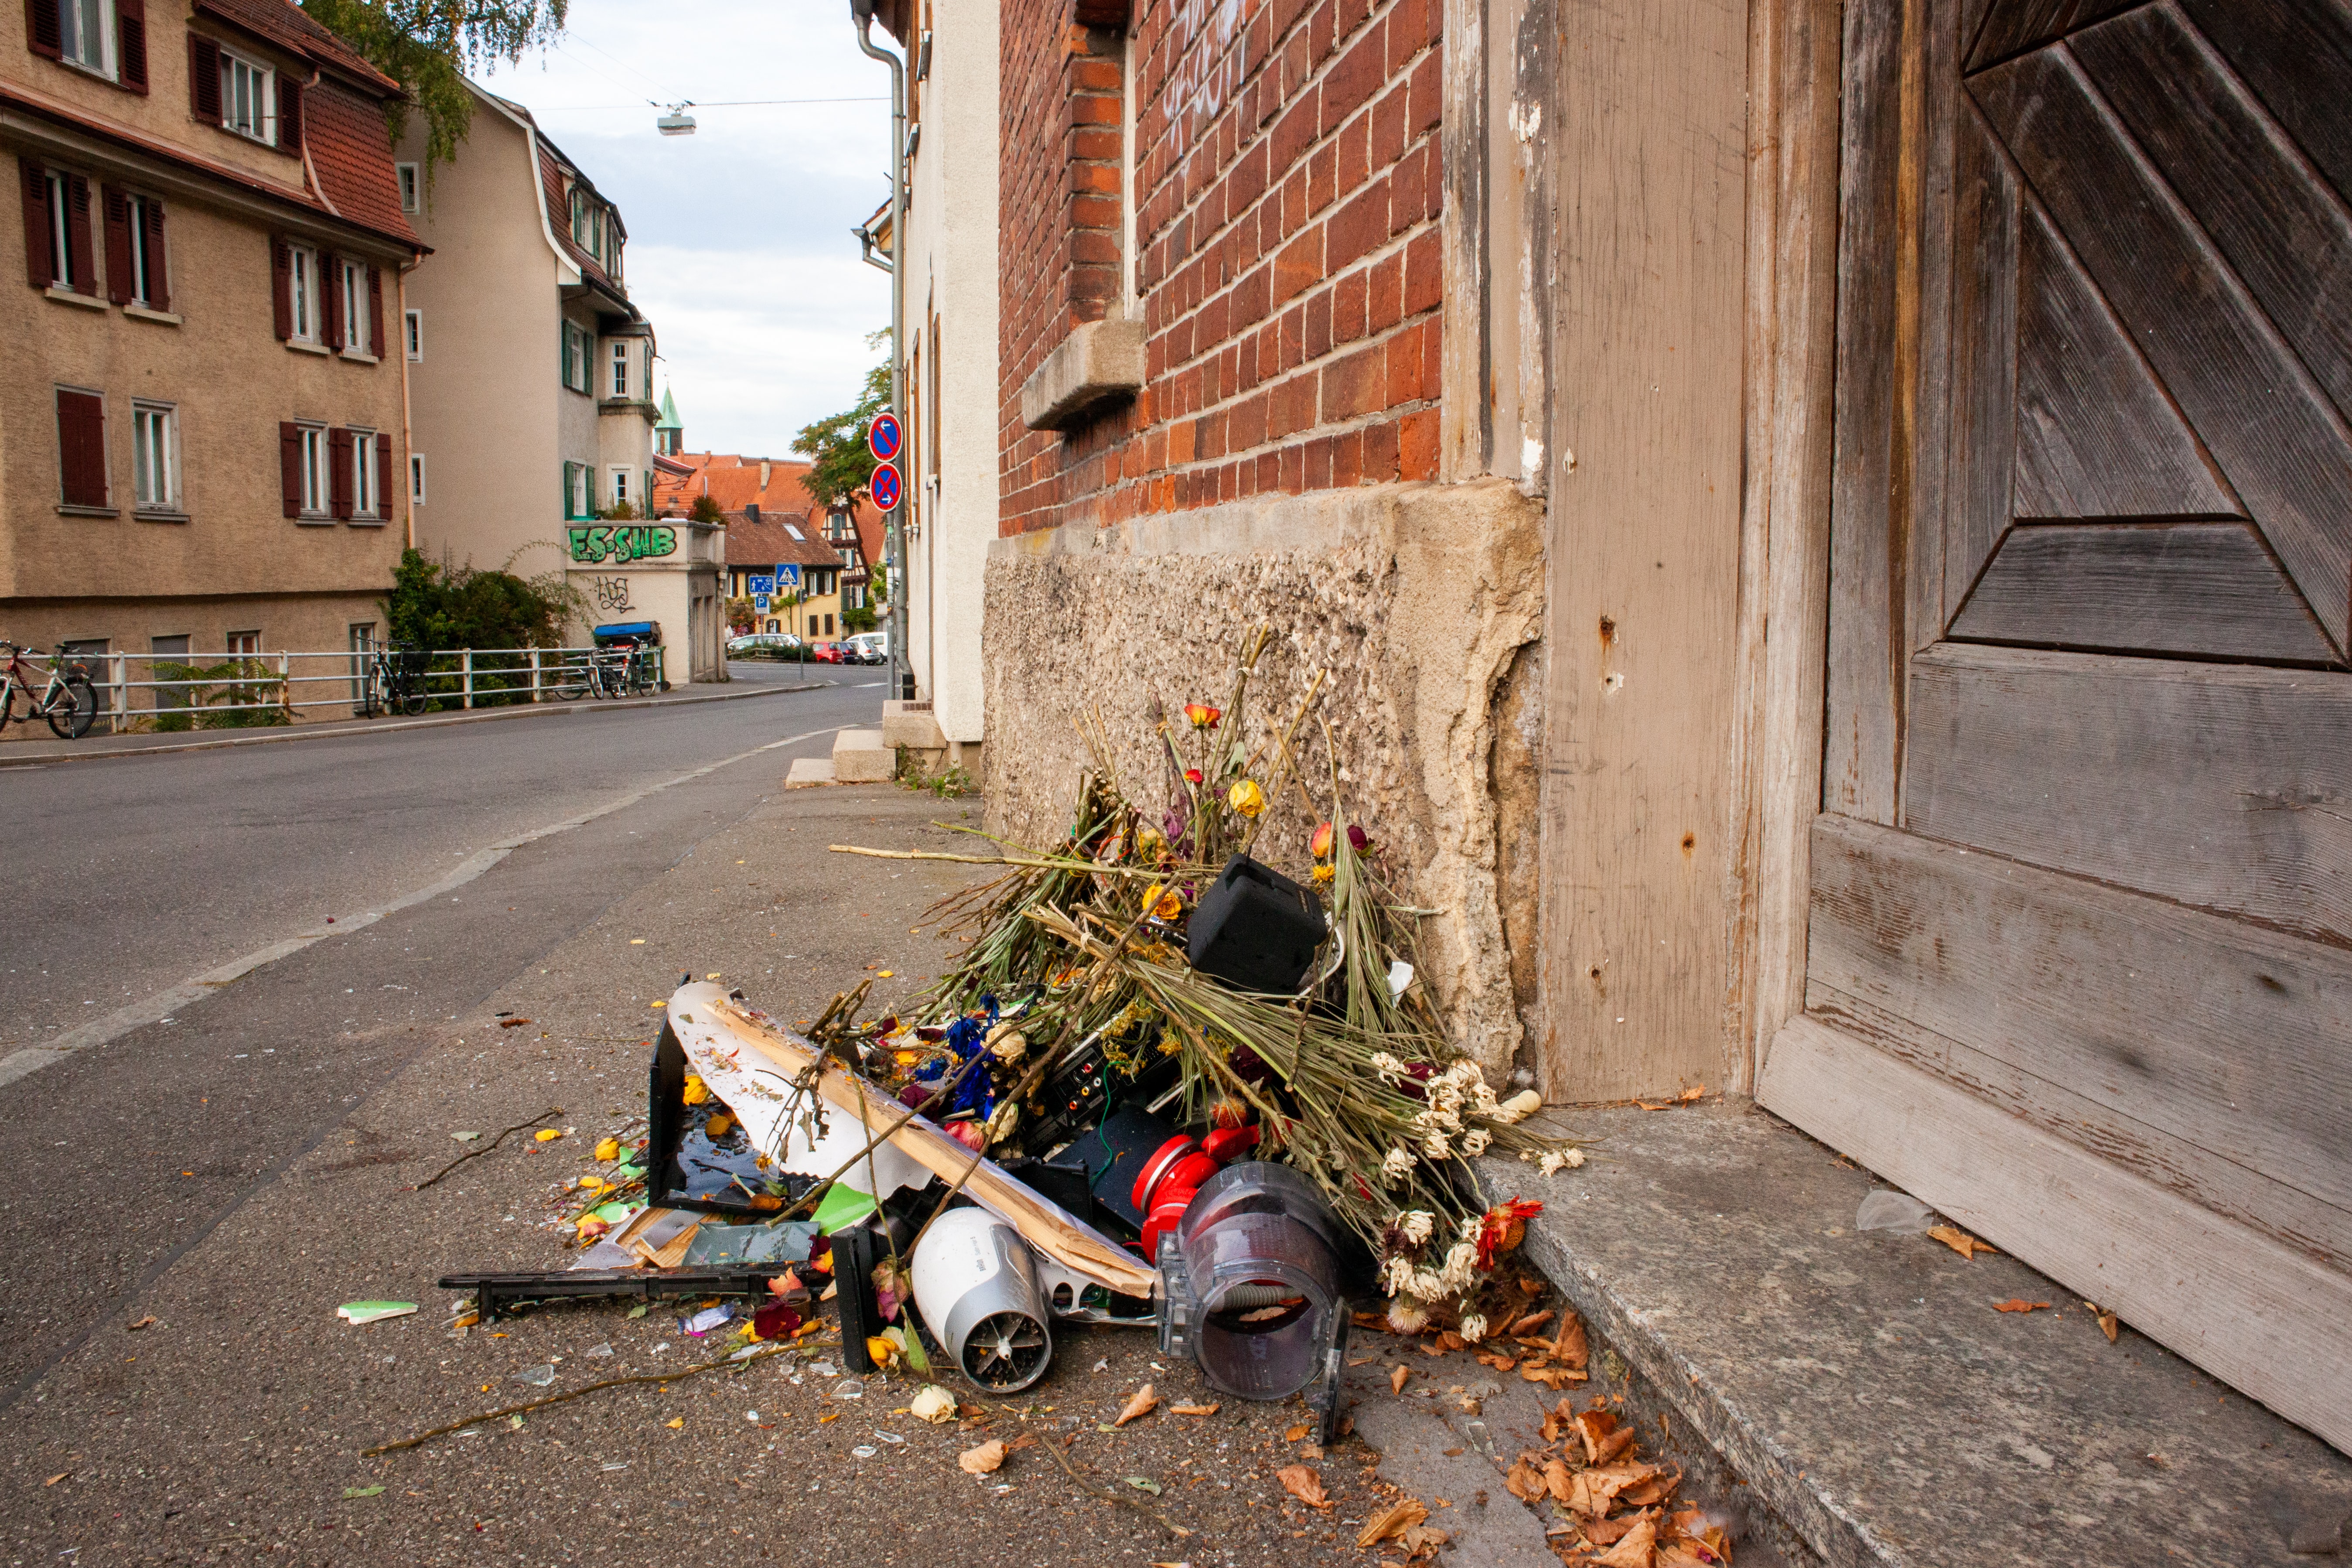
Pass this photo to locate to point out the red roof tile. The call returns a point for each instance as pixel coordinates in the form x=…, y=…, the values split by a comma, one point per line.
x=351, y=151
x=770, y=543
x=558, y=216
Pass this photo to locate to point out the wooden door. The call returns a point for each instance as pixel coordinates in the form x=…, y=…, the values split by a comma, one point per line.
x=2080, y=944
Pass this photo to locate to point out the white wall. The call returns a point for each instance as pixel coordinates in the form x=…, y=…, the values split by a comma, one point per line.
x=951, y=273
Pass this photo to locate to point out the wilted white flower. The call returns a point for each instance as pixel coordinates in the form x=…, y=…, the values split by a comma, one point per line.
x=1437, y=1148
x=1398, y=1164
x=1427, y=1285
x=1407, y=1316
x=1551, y=1163
x=1389, y=1069
x=1460, y=1262
x=1481, y=1099
x=1474, y=1142
x=1399, y=1276
x=1472, y=1224
x=1519, y=1107
x=1417, y=1224
x=1473, y=1327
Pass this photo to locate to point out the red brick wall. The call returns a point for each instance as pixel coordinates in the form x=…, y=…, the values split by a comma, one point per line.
x=1289, y=274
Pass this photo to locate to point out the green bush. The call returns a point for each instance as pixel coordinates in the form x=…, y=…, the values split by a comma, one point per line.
x=236, y=694
x=439, y=604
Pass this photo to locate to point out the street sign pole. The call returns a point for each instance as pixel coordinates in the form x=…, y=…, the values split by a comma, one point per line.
x=885, y=439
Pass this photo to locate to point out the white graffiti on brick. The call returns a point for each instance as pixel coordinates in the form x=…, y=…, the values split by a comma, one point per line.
x=1205, y=37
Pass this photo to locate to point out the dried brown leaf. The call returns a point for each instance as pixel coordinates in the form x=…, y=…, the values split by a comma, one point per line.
x=1960, y=1241
x=1524, y=1482
x=1303, y=1484
x=1397, y=1377
x=2020, y=1304
x=2107, y=1321
x=1450, y=1340
x=1552, y=1377
x=1141, y=1404
x=1638, y=1548
x=1295, y=1434
x=1529, y=1324
x=1557, y=1480
x=1392, y=1521
x=983, y=1460
x=1609, y=1531
x=1194, y=1409
x=1570, y=1344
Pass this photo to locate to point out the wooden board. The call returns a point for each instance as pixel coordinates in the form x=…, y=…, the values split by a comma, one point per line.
x=2238, y=1304
x=2218, y=1034
x=2228, y=789
x=1642, y=826
x=2203, y=588
x=1987, y=210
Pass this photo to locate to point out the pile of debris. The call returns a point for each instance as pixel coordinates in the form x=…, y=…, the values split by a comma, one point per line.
x=1167, y=1086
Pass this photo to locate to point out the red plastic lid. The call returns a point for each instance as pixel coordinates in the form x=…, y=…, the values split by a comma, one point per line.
x=1187, y=1172
x=1166, y=1214
x=1228, y=1144
x=1163, y=1158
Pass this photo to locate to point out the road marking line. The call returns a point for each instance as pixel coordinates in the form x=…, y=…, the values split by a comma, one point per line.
x=167, y=1004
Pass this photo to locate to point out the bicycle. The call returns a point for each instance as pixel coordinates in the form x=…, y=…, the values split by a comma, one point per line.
x=67, y=698
x=394, y=681
x=609, y=671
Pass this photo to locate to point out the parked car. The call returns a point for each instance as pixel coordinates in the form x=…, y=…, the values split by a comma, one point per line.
x=824, y=653
x=867, y=647
x=763, y=645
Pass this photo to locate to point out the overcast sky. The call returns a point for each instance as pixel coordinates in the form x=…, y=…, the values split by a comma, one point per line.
x=739, y=249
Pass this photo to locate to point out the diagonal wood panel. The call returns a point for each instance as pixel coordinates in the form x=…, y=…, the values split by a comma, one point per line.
x=2297, y=57
x=2096, y=435
x=1984, y=355
x=2012, y=26
x=2271, y=429
x=2286, y=233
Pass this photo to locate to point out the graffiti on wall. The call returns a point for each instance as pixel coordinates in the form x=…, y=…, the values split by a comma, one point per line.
x=638, y=542
x=612, y=593
x=1205, y=38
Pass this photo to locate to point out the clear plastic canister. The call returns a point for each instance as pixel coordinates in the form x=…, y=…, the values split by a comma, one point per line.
x=1260, y=1256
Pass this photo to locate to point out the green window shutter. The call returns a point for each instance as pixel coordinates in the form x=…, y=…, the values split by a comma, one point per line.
x=563, y=334
x=569, y=515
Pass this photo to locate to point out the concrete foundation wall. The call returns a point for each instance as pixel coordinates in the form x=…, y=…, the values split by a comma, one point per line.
x=1422, y=600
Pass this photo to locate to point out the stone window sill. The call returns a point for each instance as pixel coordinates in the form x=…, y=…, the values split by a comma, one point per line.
x=71, y=509
x=144, y=313
x=361, y=356
x=1100, y=363
x=68, y=296
x=366, y=521
x=314, y=519
x=161, y=514
x=301, y=347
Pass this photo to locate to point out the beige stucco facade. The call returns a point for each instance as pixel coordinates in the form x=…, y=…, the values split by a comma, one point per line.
x=533, y=394
x=219, y=555
x=949, y=341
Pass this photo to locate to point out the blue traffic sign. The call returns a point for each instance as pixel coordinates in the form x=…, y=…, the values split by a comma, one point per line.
x=763, y=585
x=884, y=439
x=883, y=487
x=762, y=603
x=790, y=576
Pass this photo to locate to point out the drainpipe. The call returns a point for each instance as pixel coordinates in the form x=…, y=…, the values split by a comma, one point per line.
x=407, y=429
x=862, y=13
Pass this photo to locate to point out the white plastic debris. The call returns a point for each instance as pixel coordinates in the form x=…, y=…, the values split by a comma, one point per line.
x=1886, y=1209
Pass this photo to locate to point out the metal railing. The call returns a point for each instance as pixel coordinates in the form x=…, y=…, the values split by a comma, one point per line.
x=141, y=692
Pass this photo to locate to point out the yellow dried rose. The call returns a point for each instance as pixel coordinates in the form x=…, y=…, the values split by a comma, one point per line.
x=1247, y=798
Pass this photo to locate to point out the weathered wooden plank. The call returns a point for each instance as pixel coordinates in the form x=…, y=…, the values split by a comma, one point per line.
x=2220, y=1033
x=2206, y=588
x=2267, y=424
x=2286, y=233
x=2226, y=789
x=1925, y=337
x=2297, y=58
x=1984, y=361
x=1642, y=819
x=2320, y=1231
x=2096, y=435
x=2015, y=26
x=1863, y=690
x=2245, y=1309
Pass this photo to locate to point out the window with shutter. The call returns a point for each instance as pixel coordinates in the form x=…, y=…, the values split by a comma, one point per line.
x=281, y=287
x=331, y=291
x=290, y=467
x=131, y=37
x=43, y=29
x=40, y=267
x=203, y=78
x=81, y=448
x=289, y=116
x=339, y=470
x=375, y=309
x=119, y=285
x=154, y=272
x=82, y=267
x=384, y=475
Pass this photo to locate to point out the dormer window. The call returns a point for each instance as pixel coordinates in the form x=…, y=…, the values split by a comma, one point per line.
x=248, y=92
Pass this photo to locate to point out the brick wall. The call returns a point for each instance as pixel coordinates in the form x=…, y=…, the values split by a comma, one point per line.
x=1288, y=273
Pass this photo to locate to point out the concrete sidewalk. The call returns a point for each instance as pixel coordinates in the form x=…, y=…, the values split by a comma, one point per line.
x=231, y=1424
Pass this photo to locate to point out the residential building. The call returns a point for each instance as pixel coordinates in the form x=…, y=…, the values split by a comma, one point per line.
x=205, y=437
x=1827, y=527
x=803, y=572
x=838, y=544
x=532, y=278
x=947, y=345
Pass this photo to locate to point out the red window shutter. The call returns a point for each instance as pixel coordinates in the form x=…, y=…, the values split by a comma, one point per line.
x=118, y=245
x=83, y=268
x=43, y=29
x=289, y=115
x=339, y=470
x=159, y=271
x=203, y=78
x=81, y=448
x=375, y=313
x=331, y=294
x=384, y=475
x=131, y=42
x=38, y=271
x=290, y=467
x=281, y=285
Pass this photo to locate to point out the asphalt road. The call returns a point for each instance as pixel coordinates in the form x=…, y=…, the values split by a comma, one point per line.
x=129, y=874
